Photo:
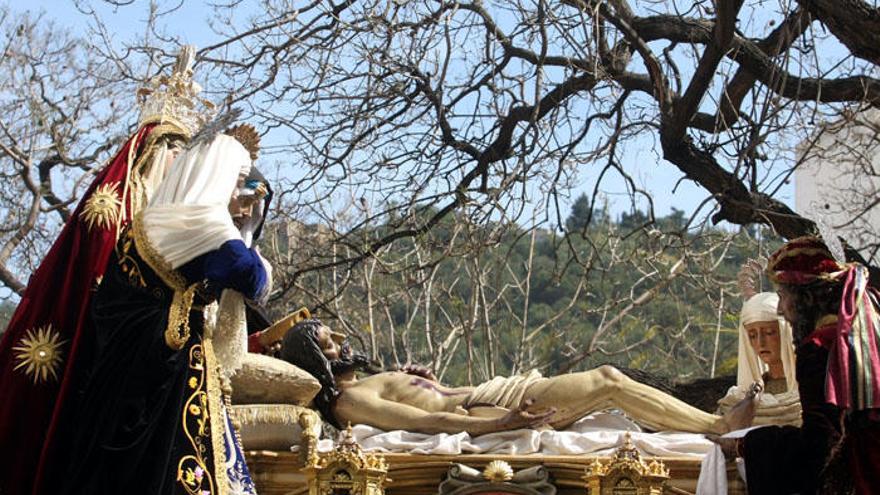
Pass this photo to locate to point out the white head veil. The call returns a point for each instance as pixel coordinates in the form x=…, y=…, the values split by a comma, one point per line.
x=750, y=368
x=189, y=213
x=153, y=170
x=784, y=408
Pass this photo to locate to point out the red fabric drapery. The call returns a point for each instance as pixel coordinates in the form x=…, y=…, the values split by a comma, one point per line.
x=57, y=301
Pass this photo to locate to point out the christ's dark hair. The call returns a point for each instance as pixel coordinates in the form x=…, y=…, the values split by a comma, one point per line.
x=300, y=347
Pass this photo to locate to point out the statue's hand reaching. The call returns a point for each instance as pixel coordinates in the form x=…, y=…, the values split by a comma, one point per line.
x=749, y=277
x=522, y=418
x=742, y=414
x=261, y=191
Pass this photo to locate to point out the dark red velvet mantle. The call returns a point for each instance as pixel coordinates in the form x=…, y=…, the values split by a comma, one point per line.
x=58, y=293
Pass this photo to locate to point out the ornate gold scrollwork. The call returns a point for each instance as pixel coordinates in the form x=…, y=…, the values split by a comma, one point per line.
x=346, y=470
x=626, y=474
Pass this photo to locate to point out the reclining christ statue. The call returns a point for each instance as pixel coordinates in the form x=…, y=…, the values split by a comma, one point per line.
x=402, y=400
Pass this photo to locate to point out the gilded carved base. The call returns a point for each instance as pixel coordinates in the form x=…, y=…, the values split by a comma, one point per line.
x=346, y=470
x=497, y=478
x=279, y=473
x=626, y=474
x=286, y=473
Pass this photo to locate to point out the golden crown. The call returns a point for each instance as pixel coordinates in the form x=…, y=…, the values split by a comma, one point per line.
x=174, y=99
x=247, y=135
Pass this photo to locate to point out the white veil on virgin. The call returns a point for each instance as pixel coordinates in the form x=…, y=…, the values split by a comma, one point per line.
x=189, y=216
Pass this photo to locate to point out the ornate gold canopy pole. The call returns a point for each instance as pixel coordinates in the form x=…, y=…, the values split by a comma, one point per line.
x=626, y=474
x=346, y=470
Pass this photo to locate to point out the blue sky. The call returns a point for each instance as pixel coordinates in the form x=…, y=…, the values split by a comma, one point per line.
x=190, y=24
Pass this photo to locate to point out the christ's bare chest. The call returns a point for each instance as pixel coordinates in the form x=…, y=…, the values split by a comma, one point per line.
x=422, y=393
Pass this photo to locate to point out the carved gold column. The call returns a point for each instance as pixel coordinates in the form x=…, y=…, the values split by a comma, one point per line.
x=626, y=474
x=347, y=470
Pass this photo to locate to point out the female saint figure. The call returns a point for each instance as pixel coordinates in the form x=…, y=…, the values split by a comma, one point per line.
x=41, y=348
x=150, y=415
x=765, y=356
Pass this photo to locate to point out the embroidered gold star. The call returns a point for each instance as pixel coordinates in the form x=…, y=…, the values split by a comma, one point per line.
x=39, y=353
x=102, y=208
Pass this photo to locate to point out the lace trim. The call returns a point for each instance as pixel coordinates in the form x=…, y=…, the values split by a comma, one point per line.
x=218, y=426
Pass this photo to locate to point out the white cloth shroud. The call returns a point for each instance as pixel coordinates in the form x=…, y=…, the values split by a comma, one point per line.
x=713, y=473
x=713, y=469
x=598, y=434
x=188, y=214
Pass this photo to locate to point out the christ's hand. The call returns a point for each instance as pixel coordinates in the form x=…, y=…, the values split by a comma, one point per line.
x=521, y=418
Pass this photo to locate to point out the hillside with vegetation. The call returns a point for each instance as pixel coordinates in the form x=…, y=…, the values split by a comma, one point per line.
x=474, y=302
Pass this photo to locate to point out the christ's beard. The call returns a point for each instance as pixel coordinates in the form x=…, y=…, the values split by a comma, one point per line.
x=352, y=362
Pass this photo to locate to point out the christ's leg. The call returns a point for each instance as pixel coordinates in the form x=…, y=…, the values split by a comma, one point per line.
x=578, y=394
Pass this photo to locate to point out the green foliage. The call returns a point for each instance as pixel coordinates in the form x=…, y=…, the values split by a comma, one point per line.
x=601, y=292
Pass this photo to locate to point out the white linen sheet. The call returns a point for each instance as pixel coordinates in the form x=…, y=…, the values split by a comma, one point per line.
x=597, y=434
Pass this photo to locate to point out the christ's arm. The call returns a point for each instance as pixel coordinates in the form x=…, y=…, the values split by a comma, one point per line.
x=367, y=407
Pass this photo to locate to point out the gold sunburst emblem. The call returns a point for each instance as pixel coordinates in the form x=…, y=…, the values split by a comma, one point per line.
x=498, y=471
x=102, y=207
x=39, y=353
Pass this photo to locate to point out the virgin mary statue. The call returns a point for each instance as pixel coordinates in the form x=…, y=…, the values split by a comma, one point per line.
x=150, y=415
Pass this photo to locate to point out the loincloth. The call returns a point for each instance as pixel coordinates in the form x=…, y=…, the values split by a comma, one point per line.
x=507, y=392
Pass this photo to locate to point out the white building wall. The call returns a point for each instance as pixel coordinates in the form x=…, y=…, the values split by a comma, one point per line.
x=839, y=181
